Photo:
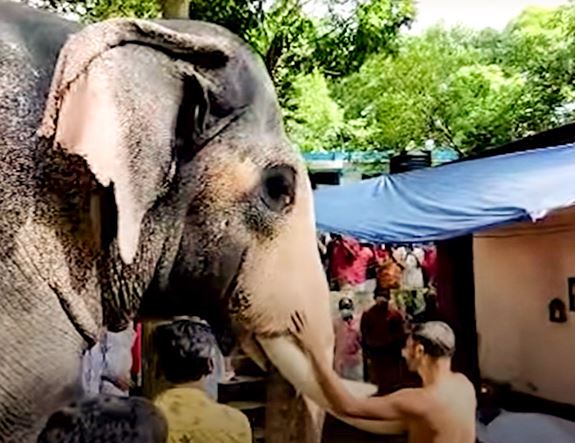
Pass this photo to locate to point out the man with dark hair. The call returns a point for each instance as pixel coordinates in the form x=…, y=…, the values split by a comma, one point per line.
x=106, y=418
x=383, y=335
x=185, y=354
x=442, y=411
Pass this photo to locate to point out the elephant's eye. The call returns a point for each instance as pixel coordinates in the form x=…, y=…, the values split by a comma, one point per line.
x=278, y=187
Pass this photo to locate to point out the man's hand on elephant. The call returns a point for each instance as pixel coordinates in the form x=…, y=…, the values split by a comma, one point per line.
x=307, y=338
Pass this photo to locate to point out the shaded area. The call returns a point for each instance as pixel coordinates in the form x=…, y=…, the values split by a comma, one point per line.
x=336, y=431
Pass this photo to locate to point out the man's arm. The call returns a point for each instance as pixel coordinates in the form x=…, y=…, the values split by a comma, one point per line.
x=399, y=405
x=403, y=404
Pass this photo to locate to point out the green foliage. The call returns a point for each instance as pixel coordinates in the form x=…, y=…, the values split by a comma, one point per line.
x=540, y=44
x=468, y=90
x=90, y=11
x=345, y=41
x=313, y=119
x=481, y=107
x=350, y=80
x=239, y=16
x=285, y=40
x=400, y=95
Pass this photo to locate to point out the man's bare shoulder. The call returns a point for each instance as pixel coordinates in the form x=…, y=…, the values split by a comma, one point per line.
x=467, y=387
x=455, y=392
x=463, y=383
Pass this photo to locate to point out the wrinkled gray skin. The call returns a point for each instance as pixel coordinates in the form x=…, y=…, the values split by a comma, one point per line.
x=225, y=200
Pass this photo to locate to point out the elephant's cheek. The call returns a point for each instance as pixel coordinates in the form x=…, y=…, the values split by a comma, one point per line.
x=283, y=273
x=279, y=280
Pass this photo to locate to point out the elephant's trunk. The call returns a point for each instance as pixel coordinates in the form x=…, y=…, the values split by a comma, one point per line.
x=295, y=367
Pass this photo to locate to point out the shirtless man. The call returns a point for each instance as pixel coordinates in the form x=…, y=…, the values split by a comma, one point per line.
x=442, y=411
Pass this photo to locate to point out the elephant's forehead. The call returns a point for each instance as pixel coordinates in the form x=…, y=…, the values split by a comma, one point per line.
x=234, y=165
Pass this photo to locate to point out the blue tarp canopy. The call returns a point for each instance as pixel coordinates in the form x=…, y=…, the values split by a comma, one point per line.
x=451, y=200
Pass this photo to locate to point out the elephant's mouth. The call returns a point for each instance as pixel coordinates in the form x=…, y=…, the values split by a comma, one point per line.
x=231, y=295
x=234, y=302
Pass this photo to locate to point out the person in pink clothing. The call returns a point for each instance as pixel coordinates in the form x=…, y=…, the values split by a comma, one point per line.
x=349, y=261
x=348, y=362
x=429, y=265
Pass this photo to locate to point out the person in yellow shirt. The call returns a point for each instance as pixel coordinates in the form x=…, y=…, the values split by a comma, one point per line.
x=184, y=350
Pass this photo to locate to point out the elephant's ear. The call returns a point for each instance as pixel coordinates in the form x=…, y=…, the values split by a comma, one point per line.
x=84, y=114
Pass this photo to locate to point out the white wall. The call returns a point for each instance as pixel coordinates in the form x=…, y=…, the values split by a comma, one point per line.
x=518, y=270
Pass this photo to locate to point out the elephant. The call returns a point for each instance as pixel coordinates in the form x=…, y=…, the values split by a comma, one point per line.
x=146, y=172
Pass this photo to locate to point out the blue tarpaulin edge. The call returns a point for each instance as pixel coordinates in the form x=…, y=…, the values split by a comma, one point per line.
x=452, y=200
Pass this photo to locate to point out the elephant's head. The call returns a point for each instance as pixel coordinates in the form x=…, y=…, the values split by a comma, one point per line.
x=214, y=207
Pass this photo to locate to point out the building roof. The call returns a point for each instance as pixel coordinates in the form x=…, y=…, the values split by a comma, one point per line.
x=553, y=137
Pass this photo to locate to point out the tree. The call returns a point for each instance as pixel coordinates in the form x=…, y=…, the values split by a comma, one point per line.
x=481, y=107
x=399, y=95
x=540, y=44
x=239, y=16
x=369, y=27
x=465, y=89
x=285, y=41
x=174, y=8
x=313, y=118
x=90, y=11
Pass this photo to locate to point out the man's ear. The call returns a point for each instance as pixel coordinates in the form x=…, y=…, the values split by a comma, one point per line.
x=98, y=108
x=419, y=350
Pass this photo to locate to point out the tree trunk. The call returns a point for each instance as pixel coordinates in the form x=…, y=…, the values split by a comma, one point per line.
x=289, y=418
x=172, y=9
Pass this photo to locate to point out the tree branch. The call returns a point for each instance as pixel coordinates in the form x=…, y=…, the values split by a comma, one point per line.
x=446, y=131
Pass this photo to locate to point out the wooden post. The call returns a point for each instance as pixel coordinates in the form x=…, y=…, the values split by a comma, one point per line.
x=289, y=418
x=153, y=381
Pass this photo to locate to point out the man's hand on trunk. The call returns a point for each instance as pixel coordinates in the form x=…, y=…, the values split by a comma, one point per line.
x=308, y=339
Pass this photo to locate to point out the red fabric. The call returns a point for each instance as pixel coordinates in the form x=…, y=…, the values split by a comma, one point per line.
x=382, y=327
x=349, y=261
x=137, y=351
x=429, y=264
x=383, y=334
x=381, y=254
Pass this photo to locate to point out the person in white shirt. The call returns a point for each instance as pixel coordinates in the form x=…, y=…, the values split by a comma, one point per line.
x=106, y=366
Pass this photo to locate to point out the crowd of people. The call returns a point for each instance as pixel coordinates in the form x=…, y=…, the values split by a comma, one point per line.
x=441, y=410
x=187, y=411
x=408, y=359
x=396, y=343
x=369, y=338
